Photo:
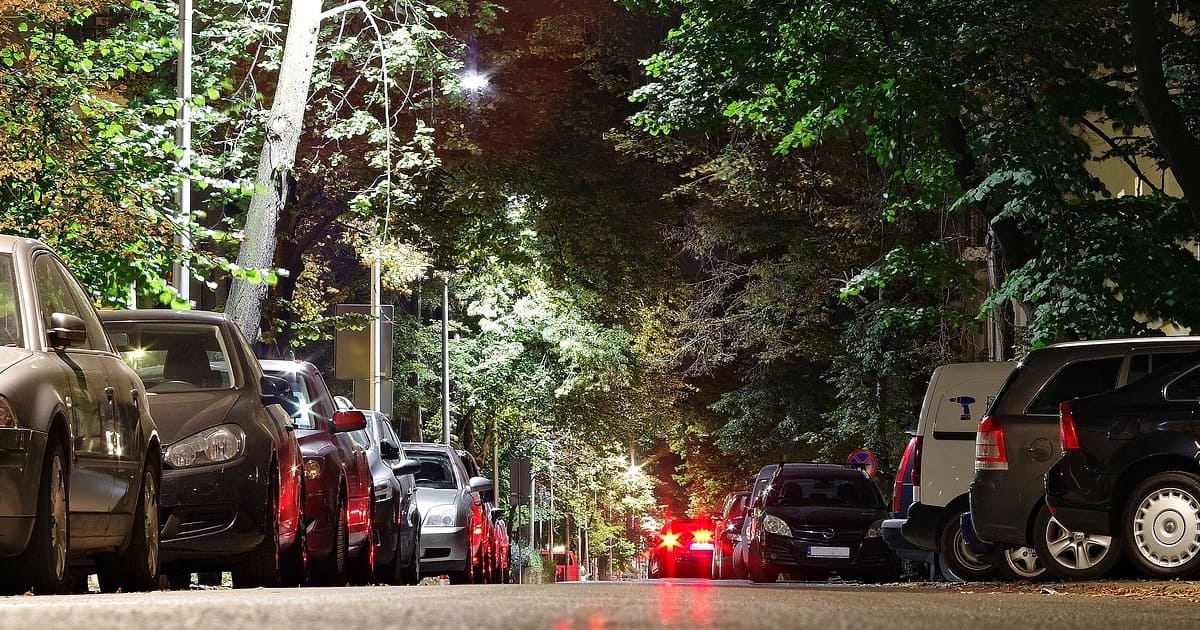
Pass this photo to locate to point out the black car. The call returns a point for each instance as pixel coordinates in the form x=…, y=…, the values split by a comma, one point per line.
x=1017, y=443
x=232, y=497
x=397, y=524
x=1129, y=470
x=77, y=443
x=810, y=520
x=729, y=532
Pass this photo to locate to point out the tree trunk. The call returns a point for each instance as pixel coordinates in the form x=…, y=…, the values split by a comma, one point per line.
x=1180, y=148
x=284, y=125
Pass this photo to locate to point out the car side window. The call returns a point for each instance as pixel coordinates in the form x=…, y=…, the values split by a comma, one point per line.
x=1142, y=364
x=58, y=293
x=1081, y=378
x=1186, y=387
x=10, y=313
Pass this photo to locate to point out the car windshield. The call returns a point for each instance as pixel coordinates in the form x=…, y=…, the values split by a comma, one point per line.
x=10, y=322
x=808, y=492
x=306, y=414
x=436, y=471
x=173, y=357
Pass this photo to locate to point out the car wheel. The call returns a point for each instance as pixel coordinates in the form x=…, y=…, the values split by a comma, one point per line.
x=331, y=571
x=956, y=560
x=411, y=573
x=44, y=562
x=1019, y=563
x=758, y=571
x=262, y=567
x=654, y=570
x=1162, y=524
x=137, y=568
x=1071, y=555
x=739, y=562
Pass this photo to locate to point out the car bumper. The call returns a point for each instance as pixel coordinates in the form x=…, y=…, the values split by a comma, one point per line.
x=211, y=513
x=21, y=453
x=384, y=534
x=444, y=549
x=865, y=556
x=905, y=549
x=997, y=512
x=920, y=529
x=1078, y=498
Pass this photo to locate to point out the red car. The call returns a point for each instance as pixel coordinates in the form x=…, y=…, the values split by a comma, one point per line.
x=684, y=549
x=338, y=502
x=500, y=547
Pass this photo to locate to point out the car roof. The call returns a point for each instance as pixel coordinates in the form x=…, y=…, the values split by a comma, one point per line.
x=163, y=315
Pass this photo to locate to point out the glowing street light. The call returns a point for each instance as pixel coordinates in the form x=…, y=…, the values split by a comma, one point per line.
x=474, y=82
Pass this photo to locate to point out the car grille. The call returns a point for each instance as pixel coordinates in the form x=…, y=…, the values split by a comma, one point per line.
x=826, y=535
x=435, y=552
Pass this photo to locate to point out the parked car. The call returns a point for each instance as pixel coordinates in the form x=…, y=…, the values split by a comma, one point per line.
x=337, y=478
x=811, y=520
x=684, y=549
x=1129, y=471
x=1018, y=441
x=397, y=520
x=448, y=499
x=221, y=420
x=902, y=498
x=566, y=566
x=501, y=547
x=728, y=532
x=943, y=463
x=484, y=529
x=78, y=442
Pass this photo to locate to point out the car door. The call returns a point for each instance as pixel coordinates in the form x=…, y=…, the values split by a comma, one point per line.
x=98, y=439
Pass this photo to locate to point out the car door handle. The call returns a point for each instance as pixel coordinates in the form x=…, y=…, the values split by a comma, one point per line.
x=135, y=394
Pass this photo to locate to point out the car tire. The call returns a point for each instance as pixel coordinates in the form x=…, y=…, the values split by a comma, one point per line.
x=758, y=571
x=136, y=569
x=1161, y=523
x=293, y=561
x=262, y=567
x=410, y=573
x=331, y=571
x=1069, y=555
x=44, y=565
x=1019, y=563
x=739, y=562
x=957, y=562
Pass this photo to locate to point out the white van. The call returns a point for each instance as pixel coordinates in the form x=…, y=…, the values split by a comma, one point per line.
x=957, y=398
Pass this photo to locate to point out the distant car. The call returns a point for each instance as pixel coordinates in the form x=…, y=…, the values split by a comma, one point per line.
x=684, y=549
x=566, y=565
x=811, y=520
x=1017, y=442
x=729, y=532
x=222, y=420
x=501, y=547
x=338, y=504
x=484, y=531
x=1129, y=471
x=77, y=442
x=449, y=502
x=397, y=520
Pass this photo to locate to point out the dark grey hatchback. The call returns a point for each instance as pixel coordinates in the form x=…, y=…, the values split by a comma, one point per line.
x=79, y=453
x=811, y=520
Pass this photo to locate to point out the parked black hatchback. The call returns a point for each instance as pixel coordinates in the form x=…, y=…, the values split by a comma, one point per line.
x=811, y=520
x=1129, y=470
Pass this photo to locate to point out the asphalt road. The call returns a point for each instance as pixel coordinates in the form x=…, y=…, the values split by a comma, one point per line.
x=592, y=606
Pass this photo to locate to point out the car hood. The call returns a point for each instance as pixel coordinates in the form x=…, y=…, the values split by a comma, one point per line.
x=11, y=356
x=180, y=414
x=826, y=516
x=429, y=497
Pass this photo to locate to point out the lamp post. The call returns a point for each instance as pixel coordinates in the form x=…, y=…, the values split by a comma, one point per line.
x=446, y=359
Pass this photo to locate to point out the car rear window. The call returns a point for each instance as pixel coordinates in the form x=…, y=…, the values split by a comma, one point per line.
x=1075, y=380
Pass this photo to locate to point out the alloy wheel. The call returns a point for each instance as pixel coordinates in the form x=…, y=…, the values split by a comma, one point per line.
x=150, y=524
x=1076, y=550
x=1023, y=562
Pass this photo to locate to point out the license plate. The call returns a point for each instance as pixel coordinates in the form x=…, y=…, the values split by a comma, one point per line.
x=828, y=552
x=702, y=547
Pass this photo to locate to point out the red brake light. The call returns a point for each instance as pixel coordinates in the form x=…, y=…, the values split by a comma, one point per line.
x=898, y=488
x=990, y=452
x=916, y=459
x=702, y=536
x=670, y=540
x=1067, y=436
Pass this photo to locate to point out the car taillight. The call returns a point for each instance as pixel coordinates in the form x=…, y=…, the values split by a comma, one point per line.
x=898, y=488
x=702, y=536
x=1067, y=437
x=670, y=540
x=916, y=462
x=990, y=453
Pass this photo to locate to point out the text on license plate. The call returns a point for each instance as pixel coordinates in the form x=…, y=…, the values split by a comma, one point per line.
x=828, y=552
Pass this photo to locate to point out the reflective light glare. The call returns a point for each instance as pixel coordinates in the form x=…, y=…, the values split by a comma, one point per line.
x=473, y=81
x=670, y=540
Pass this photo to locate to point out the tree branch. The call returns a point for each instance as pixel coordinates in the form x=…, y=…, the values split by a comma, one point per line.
x=1127, y=159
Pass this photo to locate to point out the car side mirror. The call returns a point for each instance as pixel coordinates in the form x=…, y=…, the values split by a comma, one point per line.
x=277, y=391
x=406, y=467
x=387, y=450
x=480, y=484
x=66, y=330
x=346, y=421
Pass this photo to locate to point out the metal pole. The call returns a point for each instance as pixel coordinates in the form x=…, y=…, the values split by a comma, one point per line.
x=183, y=239
x=534, y=555
x=550, y=531
x=376, y=333
x=496, y=458
x=446, y=360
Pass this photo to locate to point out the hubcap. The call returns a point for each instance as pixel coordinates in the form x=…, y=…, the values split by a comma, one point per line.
x=150, y=505
x=966, y=557
x=1166, y=527
x=1075, y=550
x=1023, y=561
x=58, y=514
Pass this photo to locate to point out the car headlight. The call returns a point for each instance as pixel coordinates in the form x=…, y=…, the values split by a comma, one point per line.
x=8, y=418
x=444, y=515
x=312, y=469
x=210, y=446
x=875, y=530
x=383, y=491
x=774, y=525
